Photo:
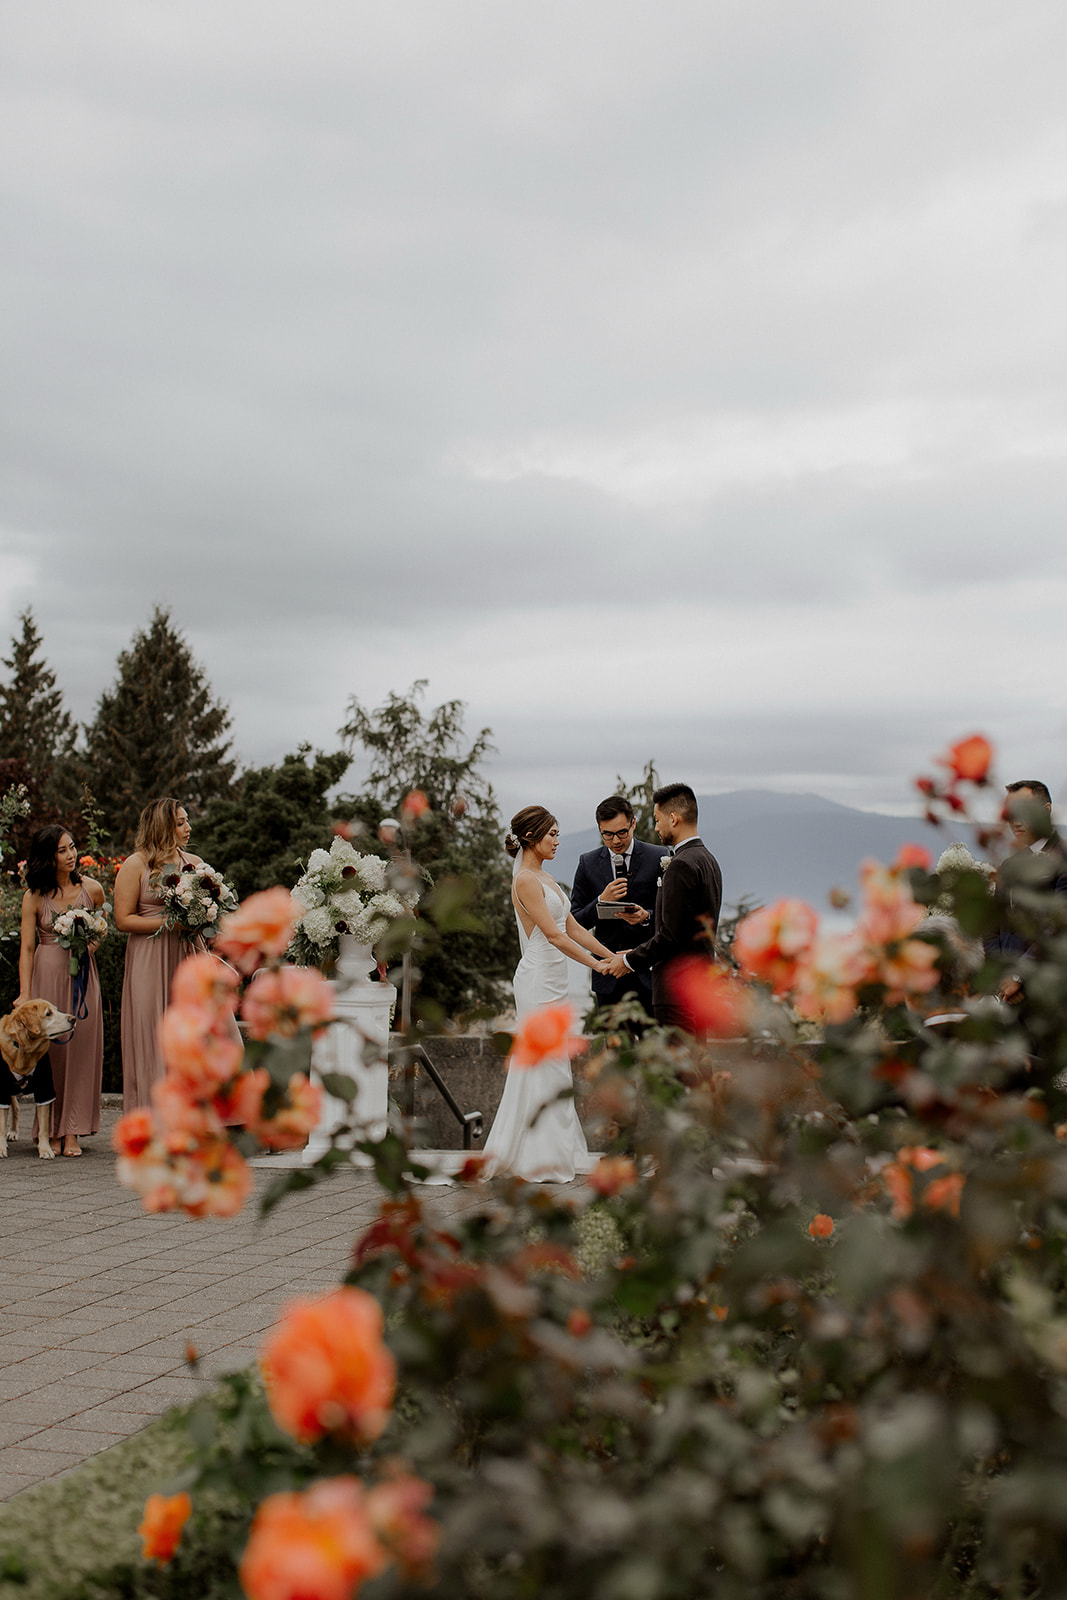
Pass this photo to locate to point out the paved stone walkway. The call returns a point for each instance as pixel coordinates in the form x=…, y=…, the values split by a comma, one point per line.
x=98, y=1300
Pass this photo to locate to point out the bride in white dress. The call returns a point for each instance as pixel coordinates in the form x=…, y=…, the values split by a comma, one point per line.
x=553, y=1149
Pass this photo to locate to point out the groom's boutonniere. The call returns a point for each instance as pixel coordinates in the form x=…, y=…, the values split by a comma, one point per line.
x=664, y=862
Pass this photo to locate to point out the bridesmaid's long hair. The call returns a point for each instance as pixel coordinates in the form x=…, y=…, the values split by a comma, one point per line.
x=157, y=831
x=527, y=826
x=41, y=861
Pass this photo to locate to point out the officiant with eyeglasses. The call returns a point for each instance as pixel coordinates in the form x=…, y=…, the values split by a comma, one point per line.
x=623, y=872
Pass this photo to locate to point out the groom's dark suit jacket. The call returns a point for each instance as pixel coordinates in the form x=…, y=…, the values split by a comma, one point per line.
x=687, y=914
x=593, y=874
x=1052, y=857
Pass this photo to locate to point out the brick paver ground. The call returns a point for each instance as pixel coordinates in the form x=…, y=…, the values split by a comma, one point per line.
x=98, y=1300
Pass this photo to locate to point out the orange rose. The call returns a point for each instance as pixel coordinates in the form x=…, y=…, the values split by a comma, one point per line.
x=920, y=1156
x=943, y=1194
x=261, y=926
x=197, y=1051
x=289, y=1126
x=912, y=855
x=611, y=1174
x=313, y=1546
x=396, y=1509
x=216, y=1182
x=161, y=1526
x=203, y=980
x=900, y=1184
x=133, y=1133
x=970, y=760
x=414, y=805
x=285, y=1001
x=716, y=1002
x=769, y=943
x=327, y=1369
x=183, y=1124
x=545, y=1033
x=821, y=1226
x=579, y=1322
x=828, y=976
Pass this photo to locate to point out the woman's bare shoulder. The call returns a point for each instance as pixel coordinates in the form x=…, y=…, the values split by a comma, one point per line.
x=527, y=876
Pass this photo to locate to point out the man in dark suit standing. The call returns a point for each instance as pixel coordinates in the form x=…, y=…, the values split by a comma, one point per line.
x=687, y=906
x=621, y=869
x=1028, y=808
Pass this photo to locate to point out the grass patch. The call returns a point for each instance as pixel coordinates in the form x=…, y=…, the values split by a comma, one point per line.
x=75, y=1537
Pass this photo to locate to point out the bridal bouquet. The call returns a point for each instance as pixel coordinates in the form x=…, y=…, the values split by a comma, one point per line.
x=194, y=898
x=77, y=929
x=343, y=891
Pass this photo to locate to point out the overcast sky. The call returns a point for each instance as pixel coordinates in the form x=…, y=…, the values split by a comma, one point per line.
x=680, y=380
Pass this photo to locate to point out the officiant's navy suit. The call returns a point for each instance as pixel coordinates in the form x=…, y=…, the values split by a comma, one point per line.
x=592, y=877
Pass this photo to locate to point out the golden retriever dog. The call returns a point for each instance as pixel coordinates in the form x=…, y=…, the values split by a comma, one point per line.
x=25, y=1036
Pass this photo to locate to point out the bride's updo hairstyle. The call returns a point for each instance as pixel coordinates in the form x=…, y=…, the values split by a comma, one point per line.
x=527, y=826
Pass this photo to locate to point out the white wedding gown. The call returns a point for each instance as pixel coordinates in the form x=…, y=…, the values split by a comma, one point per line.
x=554, y=1149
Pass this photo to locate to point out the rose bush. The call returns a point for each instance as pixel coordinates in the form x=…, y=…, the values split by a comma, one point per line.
x=820, y=1352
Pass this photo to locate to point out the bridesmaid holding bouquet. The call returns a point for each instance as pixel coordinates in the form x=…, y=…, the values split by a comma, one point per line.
x=55, y=887
x=152, y=951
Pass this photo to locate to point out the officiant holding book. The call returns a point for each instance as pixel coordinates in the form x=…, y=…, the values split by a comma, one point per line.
x=614, y=894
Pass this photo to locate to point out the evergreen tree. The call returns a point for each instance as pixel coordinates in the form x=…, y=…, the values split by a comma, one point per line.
x=34, y=727
x=263, y=833
x=639, y=795
x=157, y=731
x=462, y=835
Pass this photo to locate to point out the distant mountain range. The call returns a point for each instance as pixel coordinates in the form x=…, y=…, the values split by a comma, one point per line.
x=769, y=845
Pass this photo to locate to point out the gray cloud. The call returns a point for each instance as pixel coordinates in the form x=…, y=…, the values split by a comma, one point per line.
x=373, y=338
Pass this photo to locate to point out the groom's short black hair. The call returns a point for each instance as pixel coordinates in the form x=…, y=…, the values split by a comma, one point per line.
x=677, y=797
x=611, y=807
x=1038, y=789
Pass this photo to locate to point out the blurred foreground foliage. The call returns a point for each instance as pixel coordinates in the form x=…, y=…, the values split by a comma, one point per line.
x=804, y=1339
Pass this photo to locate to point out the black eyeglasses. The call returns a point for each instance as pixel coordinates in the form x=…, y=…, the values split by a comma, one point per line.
x=615, y=833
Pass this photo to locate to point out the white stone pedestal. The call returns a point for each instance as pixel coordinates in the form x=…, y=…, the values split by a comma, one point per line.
x=362, y=1009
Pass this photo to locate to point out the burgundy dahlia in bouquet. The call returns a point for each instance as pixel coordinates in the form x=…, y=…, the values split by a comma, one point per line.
x=194, y=898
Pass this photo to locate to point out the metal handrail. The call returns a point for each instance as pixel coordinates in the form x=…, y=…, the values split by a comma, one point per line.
x=469, y=1121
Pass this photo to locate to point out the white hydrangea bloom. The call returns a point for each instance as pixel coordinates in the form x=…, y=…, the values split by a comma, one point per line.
x=342, y=854
x=349, y=903
x=389, y=905
x=308, y=895
x=372, y=871
x=957, y=858
x=317, y=860
x=318, y=926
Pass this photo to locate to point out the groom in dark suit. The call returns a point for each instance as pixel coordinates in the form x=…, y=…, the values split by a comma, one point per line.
x=621, y=869
x=687, y=906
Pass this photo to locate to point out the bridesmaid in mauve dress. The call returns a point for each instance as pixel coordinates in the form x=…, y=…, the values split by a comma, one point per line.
x=151, y=955
x=55, y=885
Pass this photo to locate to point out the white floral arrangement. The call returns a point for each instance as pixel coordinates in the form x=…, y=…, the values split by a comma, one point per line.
x=956, y=858
x=194, y=898
x=343, y=891
x=77, y=929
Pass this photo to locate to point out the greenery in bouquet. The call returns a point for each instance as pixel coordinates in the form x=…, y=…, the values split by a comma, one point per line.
x=345, y=891
x=194, y=899
x=79, y=928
